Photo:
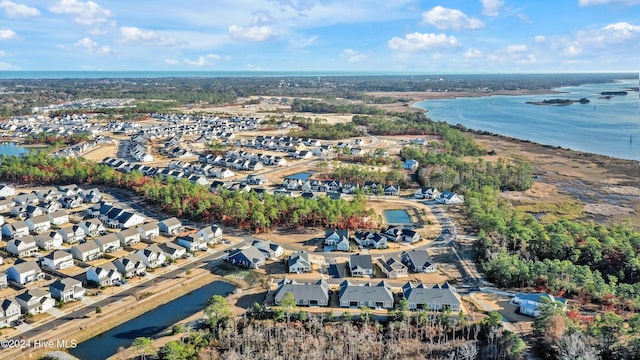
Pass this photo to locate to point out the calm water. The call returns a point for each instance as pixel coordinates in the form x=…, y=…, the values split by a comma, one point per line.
x=150, y=323
x=608, y=127
x=11, y=149
x=178, y=74
x=397, y=217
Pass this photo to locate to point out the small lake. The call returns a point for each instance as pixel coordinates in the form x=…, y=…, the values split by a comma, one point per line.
x=397, y=217
x=10, y=149
x=150, y=323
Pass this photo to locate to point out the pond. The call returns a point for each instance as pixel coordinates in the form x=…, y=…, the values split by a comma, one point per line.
x=150, y=323
x=10, y=149
x=397, y=217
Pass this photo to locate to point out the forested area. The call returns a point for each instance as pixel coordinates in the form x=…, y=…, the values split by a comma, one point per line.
x=289, y=332
x=447, y=171
x=581, y=260
x=328, y=131
x=360, y=175
x=182, y=198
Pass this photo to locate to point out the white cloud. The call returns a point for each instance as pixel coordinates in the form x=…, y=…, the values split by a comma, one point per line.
x=492, y=7
x=133, y=34
x=622, y=30
x=514, y=49
x=473, y=54
x=98, y=31
x=539, y=39
x=572, y=49
x=7, y=34
x=261, y=18
x=15, y=10
x=605, y=2
x=353, y=55
x=92, y=47
x=2, y=53
x=171, y=61
x=253, y=33
x=445, y=19
x=417, y=42
x=303, y=43
x=86, y=13
x=7, y=66
x=202, y=60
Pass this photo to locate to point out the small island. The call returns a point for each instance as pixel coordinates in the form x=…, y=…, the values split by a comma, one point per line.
x=558, y=102
x=614, y=93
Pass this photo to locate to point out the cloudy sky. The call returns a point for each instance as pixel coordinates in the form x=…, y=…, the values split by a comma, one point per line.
x=454, y=36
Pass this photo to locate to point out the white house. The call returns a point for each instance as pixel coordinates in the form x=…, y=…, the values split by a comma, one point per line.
x=109, y=243
x=337, y=238
x=104, y=275
x=92, y=227
x=192, y=242
x=149, y=231
x=152, y=256
x=129, y=237
x=173, y=251
x=39, y=224
x=171, y=226
x=49, y=241
x=211, y=234
x=86, y=251
x=67, y=289
x=58, y=217
x=25, y=272
x=22, y=247
x=449, y=198
x=9, y=312
x=35, y=301
x=299, y=262
x=130, y=265
x=531, y=303
x=72, y=234
x=58, y=260
x=15, y=230
x=7, y=190
x=270, y=249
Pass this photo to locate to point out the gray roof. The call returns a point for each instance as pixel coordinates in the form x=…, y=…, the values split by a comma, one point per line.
x=299, y=257
x=360, y=261
x=58, y=254
x=422, y=294
x=33, y=293
x=418, y=258
x=391, y=264
x=88, y=246
x=171, y=247
x=171, y=222
x=66, y=283
x=318, y=290
x=367, y=292
x=27, y=266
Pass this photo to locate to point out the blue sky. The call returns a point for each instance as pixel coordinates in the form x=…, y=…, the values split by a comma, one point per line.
x=452, y=36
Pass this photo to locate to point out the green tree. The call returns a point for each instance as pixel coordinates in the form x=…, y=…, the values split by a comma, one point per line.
x=217, y=311
x=174, y=350
x=144, y=346
x=288, y=304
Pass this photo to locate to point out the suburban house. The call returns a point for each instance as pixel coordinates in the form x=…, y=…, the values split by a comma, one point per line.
x=392, y=267
x=49, y=195
x=67, y=289
x=372, y=296
x=9, y=312
x=171, y=226
x=6, y=205
x=172, y=250
x=58, y=260
x=427, y=193
x=26, y=199
x=391, y=190
x=15, y=230
x=72, y=234
x=104, y=275
x=449, y=198
x=370, y=238
x=270, y=249
x=86, y=251
x=71, y=202
x=192, y=242
x=360, y=265
x=7, y=190
x=401, y=234
x=305, y=294
x=418, y=261
x=69, y=190
x=25, y=272
x=530, y=303
x=35, y=301
x=22, y=247
x=50, y=207
x=92, y=227
x=337, y=238
x=422, y=297
x=148, y=231
x=130, y=265
x=58, y=217
x=49, y=241
x=152, y=256
x=91, y=196
x=39, y=224
x=249, y=257
x=129, y=237
x=211, y=234
x=299, y=262
x=109, y=243
x=410, y=164
x=257, y=179
x=128, y=220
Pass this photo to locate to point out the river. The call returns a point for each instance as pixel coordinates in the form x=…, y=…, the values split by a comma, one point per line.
x=150, y=323
x=603, y=126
